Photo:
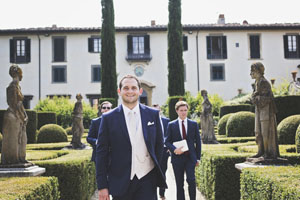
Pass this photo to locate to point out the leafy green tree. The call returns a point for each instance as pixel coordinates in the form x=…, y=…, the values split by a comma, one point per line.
x=175, y=48
x=108, y=52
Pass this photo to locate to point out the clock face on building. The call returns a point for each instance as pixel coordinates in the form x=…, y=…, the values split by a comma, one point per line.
x=139, y=70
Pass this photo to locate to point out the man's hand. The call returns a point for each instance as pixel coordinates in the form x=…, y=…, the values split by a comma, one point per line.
x=178, y=151
x=103, y=194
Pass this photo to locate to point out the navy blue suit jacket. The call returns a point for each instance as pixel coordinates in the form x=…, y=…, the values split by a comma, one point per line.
x=93, y=135
x=165, y=122
x=113, y=157
x=192, y=138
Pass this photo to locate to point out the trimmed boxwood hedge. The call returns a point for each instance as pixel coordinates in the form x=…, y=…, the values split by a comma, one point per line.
x=287, y=129
x=274, y=183
x=222, y=124
x=235, y=108
x=240, y=124
x=297, y=138
x=28, y=188
x=46, y=118
x=51, y=133
x=75, y=172
x=287, y=106
x=171, y=102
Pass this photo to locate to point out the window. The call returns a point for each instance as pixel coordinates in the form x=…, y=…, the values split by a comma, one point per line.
x=217, y=72
x=59, y=74
x=26, y=101
x=216, y=47
x=19, y=50
x=291, y=46
x=94, y=44
x=138, y=47
x=254, y=46
x=184, y=72
x=96, y=73
x=185, y=43
x=59, y=49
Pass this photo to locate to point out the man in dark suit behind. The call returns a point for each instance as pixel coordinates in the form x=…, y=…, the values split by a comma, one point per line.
x=184, y=129
x=94, y=127
x=166, y=152
x=129, y=148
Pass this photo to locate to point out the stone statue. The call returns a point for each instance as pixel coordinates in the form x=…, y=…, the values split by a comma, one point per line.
x=265, y=118
x=77, y=125
x=207, y=121
x=14, y=122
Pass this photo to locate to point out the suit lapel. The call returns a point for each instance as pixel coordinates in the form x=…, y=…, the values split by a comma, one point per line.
x=177, y=127
x=120, y=118
x=144, y=120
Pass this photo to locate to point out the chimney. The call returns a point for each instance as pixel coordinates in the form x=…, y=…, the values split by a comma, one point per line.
x=245, y=22
x=221, y=19
x=152, y=22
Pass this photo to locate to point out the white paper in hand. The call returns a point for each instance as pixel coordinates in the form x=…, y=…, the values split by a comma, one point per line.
x=181, y=143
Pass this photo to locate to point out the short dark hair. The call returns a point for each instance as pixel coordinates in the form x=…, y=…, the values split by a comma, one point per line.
x=129, y=77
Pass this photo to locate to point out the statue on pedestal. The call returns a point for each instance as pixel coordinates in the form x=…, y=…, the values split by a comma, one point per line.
x=265, y=116
x=77, y=124
x=207, y=121
x=14, y=122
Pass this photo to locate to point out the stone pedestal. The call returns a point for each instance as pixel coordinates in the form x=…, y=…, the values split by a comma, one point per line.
x=261, y=162
x=21, y=170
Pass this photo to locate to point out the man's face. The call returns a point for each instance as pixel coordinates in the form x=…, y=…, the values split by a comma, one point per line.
x=182, y=112
x=130, y=91
x=254, y=74
x=105, y=107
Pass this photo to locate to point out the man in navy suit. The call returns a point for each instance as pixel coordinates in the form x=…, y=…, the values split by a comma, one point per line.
x=129, y=148
x=94, y=127
x=184, y=129
x=166, y=153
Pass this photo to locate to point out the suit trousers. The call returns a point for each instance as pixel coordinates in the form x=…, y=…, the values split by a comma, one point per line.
x=141, y=189
x=183, y=164
x=164, y=166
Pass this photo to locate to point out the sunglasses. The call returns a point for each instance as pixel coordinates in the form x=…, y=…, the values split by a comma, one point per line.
x=106, y=108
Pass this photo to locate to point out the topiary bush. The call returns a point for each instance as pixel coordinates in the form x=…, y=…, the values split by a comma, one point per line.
x=31, y=126
x=46, y=118
x=235, y=108
x=51, y=133
x=69, y=131
x=287, y=106
x=240, y=124
x=0, y=142
x=222, y=124
x=287, y=129
x=297, y=138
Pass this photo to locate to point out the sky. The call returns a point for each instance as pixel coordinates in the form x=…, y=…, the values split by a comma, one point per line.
x=87, y=13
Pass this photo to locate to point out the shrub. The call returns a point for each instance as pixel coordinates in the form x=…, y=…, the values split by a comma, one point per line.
x=31, y=126
x=51, y=133
x=46, y=118
x=297, y=138
x=240, y=124
x=287, y=129
x=222, y=124
x=171, y=102
x=63, y=108
x=0, y=142
x=235, y=108
x=1, y=119
x=69, y=131
x=287, y=106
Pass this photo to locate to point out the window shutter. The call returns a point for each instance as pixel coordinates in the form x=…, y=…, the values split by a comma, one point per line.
x=12, y=51
x=129, y=44
x=59, y=49
x=208, y=47
x=185, y=43
x=298, y=46
x=224, y=47
x=285, y=44
x=91, y=44
x=147, y=43
x=254, y=46
x=27, y=50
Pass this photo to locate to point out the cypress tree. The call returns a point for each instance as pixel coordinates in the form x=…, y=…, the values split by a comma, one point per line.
x=175, y=49
x=108, y=52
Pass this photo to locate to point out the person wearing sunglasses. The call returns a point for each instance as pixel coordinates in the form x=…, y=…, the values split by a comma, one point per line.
x=94, y=127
